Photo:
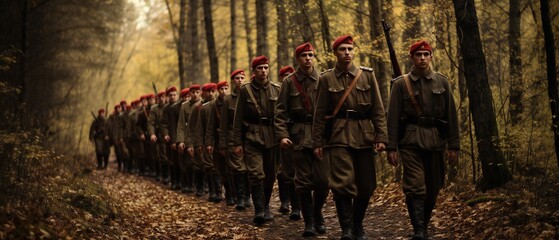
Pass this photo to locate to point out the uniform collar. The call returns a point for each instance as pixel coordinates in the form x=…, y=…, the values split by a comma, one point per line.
x=300, y=75
x=415, y=76
x=352, y=70
x=255, y=84
x=235, y=91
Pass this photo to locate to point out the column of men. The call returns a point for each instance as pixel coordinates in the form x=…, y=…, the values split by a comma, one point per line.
x=314, y=133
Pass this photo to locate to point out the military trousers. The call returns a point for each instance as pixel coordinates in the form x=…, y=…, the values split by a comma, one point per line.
x=311, y=173
x=162, y=152
x=198, y=160
x=352, y=172
x=236, y=163
x=261, y=164
x=102, y=146
x=423, y=173
x=208, y=164
x=287, y=165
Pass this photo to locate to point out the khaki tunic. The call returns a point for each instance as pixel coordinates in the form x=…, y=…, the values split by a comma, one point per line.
x=421, y=140
x=359, y=124
x=236, y=163
x=99, y=133
x=256, y=132
x=200, y=135
x=309, y=172
x=190, y=136
x=154, y=128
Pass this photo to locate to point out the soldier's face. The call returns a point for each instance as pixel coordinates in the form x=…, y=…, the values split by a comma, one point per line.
x=305, y=59
x=118, y=109
x=195, y=94
x=173, y=97
x=261, y=71
x=144, y=102
x=223, y=91
x=151, y=101
x=102, y=114
x=421, y=59
x=239, y=79
x=161, y=99
x=344, y=53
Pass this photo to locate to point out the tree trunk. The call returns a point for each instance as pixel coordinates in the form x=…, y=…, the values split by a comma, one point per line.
x=248, y=30
x=515, y=62
x=262, y=47
x=326, y=38
x=283, y=35
x=410, y=34
x=495, y=171
x=212, y=53
x=360, y=27
x=233, y=37
x=551, y=71
x=180, y=44
x=376, y=35
x=191, y=46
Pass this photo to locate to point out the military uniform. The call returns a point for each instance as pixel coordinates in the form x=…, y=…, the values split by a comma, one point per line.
x=187, y=162
x=255, y=132
x=169, y=127
x=349, y=137
x=198, y=158
x=422, y=140
x=144, y=162
x=114, y=130
x=311, y=173
x=155, y=129
x=99, y=135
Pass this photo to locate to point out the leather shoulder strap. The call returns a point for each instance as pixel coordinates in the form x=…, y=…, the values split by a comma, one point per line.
x=412, y=96
x=306, y=100
x=347, y=91
x=256, y=105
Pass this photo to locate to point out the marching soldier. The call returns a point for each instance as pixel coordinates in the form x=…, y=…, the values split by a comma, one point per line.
x=236, y=163
x=348, y=126
x=133, y=134
x=156, y=137
x=212, y=139
x=114, y=131
x=99, y=136
x=123, y=138
x=253, y=136
x=141, y=132
x=422, y=123
x=296, y=103
x=169, y=129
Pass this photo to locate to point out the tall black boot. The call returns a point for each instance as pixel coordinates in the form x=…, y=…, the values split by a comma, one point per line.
x=319, y=198
x=416, y=213
x=359, y=209
x=344, y=209
x=295, y=205
x=283, y=194
x=308, y=216
x=428, y=210
x=211, y=188
x=217, y=188
x=165, y=173
x=247, y=192
x=199, y=179
x=99, y=161
x=240, y=188
x=258, y=200
x=106, y=161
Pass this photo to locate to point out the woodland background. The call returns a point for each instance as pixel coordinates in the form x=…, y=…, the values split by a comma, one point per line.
x=62, y=59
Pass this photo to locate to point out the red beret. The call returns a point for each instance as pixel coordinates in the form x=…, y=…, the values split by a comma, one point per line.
x=221, y=84
x=286, y=70
x=101, y=111
x=117, y=106
x=303, y=48
x=209, y=87
x=342, y=39
x=144, y=97
x=160, y=94
x=234, y=73
x=259, y=61
x=420, y=45
x=184, y=92
x=171, y=89
x=194, y=87
x=151, y=95
x=123, y=102
x=135, y=102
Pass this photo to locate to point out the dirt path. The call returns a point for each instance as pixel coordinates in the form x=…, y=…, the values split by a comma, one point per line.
x=150, y=210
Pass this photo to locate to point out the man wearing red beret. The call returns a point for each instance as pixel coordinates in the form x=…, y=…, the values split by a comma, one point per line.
x=169, y=132
x=296, y=104
x=212, y=139
x=187, y=163
x=116, y=134
x=349, y=128
x=156, y=137
x=145, y=163
x=284, y=72
x=428, y=117
x=226, y=147
x=253, y=136
x=99, y=136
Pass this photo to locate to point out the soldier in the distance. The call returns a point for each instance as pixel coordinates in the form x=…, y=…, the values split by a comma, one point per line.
x=169, y=131
x=156, y=137
x=184, y=117
x=99, y=136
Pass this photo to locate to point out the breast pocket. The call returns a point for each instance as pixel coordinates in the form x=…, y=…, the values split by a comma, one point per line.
x=407, y=104
x=295, y=101
x=335, y=93
x=439, y=101
x=363, y=93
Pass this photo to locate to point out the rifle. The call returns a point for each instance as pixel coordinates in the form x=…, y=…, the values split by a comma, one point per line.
x=396, y=71
x=107, y=109
x=154, y=88
x=93, y=114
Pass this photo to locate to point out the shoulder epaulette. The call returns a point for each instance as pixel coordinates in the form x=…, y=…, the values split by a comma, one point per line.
x=206, y=103
x=397, y=78
x=245, y=83
x=366, y=69
x=328, y=70
x=275, y=84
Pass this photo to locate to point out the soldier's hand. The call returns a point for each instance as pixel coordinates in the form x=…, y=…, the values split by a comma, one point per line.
x=142, y=137
x=452, y=155
x=106, y=138
x=238, y=151
x=181, y=147
x=223, y=151
x=199, y=149
x=153, y=138
x=318, y=152
x=190, y=151
x=286, y=143
x=173, y=146
x=380, y=147
x=393, y=158
x=210, y=149
x=167, y=138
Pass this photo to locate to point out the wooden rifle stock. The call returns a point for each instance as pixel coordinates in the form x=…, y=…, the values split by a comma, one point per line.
x=396, y=71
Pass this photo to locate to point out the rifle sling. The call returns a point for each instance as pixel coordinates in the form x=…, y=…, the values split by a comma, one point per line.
x=346, y=93
x=412, y=96
x=303, y=93
x=256, y=105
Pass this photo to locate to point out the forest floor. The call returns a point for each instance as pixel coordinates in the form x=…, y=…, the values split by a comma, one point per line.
x=151, y=210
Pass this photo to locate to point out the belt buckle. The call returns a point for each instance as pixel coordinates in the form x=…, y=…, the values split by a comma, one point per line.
x=348, y=113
